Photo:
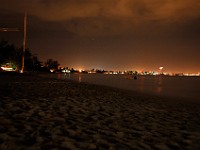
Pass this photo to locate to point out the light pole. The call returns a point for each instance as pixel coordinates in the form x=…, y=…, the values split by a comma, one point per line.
x=161, y=68
x=24, y=42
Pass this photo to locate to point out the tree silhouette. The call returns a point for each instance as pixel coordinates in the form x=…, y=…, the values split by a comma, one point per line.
x=52, y=64
x=7, y=51
x=11, y=54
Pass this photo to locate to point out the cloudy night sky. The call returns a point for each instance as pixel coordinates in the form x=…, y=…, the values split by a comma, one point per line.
x=109, y=34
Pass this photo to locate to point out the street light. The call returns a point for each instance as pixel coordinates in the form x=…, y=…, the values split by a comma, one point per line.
x=161, y=68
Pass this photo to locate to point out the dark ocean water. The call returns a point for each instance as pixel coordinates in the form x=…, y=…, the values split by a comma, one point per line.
x=170, y=86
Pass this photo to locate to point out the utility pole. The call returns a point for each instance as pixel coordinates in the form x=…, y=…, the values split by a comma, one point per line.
x=24, y=42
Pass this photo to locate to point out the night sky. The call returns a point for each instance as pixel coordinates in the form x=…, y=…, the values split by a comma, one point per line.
x=109, y=34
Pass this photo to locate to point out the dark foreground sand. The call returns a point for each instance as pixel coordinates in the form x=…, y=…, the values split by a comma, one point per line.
x=41, y=113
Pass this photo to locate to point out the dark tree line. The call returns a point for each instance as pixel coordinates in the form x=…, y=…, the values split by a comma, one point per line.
x=11, y=54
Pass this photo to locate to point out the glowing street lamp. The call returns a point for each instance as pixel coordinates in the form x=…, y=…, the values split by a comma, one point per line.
x=161, y=68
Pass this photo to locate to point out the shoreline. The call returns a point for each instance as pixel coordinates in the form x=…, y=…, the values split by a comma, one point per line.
x=38, y=112
x=131, y=92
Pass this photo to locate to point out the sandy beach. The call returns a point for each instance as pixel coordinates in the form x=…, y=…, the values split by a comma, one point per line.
x=44, y=113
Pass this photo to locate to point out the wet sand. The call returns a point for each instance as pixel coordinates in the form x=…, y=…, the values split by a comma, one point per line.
x=44, y=113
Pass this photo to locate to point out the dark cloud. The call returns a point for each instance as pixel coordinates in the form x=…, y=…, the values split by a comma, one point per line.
x=100, y=15
x=134, y=10
x=107, y=17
